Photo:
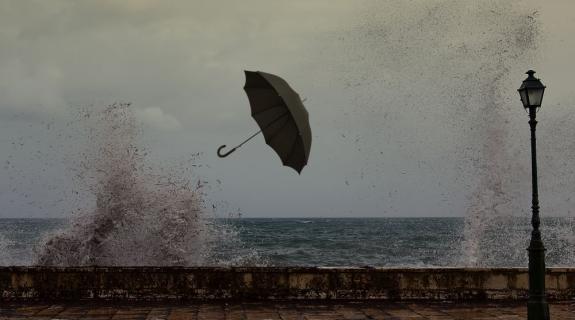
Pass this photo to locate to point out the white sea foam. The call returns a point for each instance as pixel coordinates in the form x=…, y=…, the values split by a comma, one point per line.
x=5, y=257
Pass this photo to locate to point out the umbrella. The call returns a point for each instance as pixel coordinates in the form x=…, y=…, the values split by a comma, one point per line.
x=279, y=112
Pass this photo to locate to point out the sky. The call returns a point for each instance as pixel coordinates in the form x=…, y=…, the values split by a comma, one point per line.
x=413, y=104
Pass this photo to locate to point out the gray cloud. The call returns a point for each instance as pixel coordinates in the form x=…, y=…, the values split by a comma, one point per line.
x=180, y=63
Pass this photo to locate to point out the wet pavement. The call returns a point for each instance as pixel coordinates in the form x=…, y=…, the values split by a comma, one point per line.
x=281, y=311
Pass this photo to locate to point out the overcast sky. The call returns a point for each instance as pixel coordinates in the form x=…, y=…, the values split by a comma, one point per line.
x=413, y=104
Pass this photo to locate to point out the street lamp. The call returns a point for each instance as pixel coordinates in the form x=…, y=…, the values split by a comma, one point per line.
x=531, y=92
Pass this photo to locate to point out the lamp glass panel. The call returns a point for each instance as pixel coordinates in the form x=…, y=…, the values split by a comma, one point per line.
x=523, y=97
x=535, y=96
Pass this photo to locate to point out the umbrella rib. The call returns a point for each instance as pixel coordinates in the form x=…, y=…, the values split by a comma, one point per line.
x=278, y=131
x=267, y=126
x=292, y=149
x=268, y=109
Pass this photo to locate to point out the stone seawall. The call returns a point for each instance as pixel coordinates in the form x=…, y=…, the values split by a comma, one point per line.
x=298, y=283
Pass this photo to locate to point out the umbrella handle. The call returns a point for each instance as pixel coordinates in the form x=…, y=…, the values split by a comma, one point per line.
x=225, y=154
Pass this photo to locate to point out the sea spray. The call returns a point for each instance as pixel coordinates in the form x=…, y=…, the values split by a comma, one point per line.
x=140, y=216
x=434, y=86
x=491, y=236
x=556, y=149
x=497, y=225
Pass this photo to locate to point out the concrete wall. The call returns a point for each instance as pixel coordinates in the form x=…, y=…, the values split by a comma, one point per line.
x=149, y=283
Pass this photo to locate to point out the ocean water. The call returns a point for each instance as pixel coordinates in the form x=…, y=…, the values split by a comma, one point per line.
x=389, y=242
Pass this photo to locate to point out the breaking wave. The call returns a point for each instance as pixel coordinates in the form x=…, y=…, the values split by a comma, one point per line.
x=140, y=216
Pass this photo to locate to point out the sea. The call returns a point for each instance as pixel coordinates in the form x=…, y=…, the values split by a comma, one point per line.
x=330, y=242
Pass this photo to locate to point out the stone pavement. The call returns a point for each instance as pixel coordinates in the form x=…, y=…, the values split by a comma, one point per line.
x=275, y=310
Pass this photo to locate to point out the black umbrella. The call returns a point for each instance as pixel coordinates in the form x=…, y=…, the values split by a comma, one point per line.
x=283, y=119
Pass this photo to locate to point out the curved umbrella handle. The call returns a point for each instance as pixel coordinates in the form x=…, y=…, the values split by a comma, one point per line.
x=225, y=154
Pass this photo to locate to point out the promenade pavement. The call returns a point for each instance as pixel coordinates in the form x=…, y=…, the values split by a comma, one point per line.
x=277, y=310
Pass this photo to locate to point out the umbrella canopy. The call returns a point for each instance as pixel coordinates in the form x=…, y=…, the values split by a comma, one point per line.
x=280, y=113
x=282, y=117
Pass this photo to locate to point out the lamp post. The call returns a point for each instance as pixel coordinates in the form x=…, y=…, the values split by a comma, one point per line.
x=531, y=92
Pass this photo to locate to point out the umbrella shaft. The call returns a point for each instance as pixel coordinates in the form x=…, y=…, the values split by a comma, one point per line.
x=267, y=126
x=248, y=139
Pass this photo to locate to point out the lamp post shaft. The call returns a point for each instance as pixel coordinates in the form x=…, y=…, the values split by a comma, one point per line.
x=537, y=307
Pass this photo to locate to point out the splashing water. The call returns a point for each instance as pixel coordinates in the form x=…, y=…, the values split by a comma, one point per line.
x=447, y=77
x=140, y=217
